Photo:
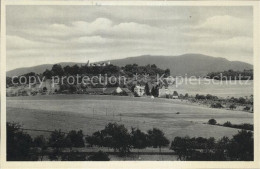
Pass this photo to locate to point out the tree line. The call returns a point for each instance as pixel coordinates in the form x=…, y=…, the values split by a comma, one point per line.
x=110, y=70
x=129, y=70
x=22, y=147
x=245, y=126
x=117, y=137
x=239, y=148
x=232, y=75
x=229, y=102
x=240, y=100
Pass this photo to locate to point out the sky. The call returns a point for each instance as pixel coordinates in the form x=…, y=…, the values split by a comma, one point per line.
x=52, y=34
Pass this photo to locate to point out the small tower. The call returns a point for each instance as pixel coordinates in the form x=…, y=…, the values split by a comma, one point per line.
x=88, y=64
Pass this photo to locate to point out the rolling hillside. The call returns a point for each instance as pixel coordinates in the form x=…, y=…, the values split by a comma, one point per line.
x=190, y=64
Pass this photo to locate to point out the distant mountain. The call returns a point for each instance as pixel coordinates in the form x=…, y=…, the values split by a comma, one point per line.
x=190, y=64
x=37, y=69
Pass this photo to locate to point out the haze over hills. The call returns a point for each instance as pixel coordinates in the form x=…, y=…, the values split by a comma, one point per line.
x=190, y=64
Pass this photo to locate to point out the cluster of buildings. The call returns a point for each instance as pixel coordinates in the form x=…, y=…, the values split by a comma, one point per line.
x=139, y=91
x=97, y=64
x=46, y=88
x=165, y=92
x=109, y=91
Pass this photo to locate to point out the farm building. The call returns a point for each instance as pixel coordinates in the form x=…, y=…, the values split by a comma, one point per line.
x=175, y=95
x=113, y=90
x=163, y=92
x=48, y=87
x=95, y=90
x=109, y=91
x=139, y=90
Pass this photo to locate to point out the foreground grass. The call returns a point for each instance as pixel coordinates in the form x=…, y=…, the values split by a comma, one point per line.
x=91, y=113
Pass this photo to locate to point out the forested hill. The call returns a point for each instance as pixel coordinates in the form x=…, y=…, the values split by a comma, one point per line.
x=111, y=70
x=129, y=70
x=232, y=75
x=190, y=64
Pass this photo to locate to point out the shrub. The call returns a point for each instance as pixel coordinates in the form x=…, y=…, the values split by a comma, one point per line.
x=212, y=122
x=200, y=97
x=19, y=144
x=41, y=142
x=244, y=126
x=227, y=124
x=97, y=139
x=241, y=100
x=232, y=106
x=73, y=156
x=211, y=97
x=139, y=139
x=241, y=147
x=76, y=138
x=99, y=156
x=186, y=95
x=58, y=142
x=181, y=147
x=119, y=136
x=157, y=139
x=216, y=105
x=175, y=93
x=113, y=136
x=247, y=108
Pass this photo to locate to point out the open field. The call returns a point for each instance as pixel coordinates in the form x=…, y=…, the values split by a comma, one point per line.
x=222, y=89
x=91, y=113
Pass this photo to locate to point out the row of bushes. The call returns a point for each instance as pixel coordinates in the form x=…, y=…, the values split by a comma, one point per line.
x=239, y=148
x=232, y=75
x=232, y=100
x=21, y=146
x=118, y=138
x=244, y=126
x=231, y=107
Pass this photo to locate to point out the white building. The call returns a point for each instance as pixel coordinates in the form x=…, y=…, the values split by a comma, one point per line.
x=98, y=64
x=175, y=97
x=139, y=90
x=163, y=92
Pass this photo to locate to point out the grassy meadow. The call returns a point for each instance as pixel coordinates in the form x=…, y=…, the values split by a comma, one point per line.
x=91, y=113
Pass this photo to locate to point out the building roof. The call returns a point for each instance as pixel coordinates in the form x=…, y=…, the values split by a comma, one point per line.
x=140, y=87
x=110, y=90
x=95, y=89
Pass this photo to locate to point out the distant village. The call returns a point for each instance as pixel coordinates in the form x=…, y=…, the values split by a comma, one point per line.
x=97, y=64
x=48, y=89
x=135, y=89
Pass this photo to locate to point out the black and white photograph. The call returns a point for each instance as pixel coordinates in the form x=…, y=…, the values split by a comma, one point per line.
x=129, y=83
